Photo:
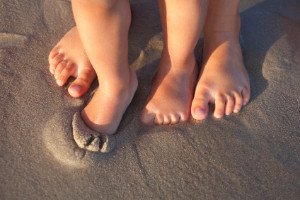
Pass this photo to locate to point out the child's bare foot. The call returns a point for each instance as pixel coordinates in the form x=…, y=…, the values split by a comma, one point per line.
x=104, y=112
x=171, y=96
x=223, y=79
x=68, y=58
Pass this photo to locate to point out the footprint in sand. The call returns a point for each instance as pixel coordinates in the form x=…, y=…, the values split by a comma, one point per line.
x=73, y=143
x=9, y=40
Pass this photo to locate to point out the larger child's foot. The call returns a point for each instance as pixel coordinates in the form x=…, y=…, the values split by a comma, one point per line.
x=68, y=58
x=104, y=112
x=223, y=79
x=172, y=93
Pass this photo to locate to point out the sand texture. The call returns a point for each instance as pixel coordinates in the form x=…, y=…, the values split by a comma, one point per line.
x=251, y=155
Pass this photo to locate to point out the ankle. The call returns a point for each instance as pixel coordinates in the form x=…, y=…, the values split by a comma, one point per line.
x=118, y=83
x=183, y=63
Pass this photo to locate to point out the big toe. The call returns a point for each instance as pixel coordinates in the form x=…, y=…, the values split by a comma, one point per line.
x=147, y=117
x=199, y=108
x=81, y=84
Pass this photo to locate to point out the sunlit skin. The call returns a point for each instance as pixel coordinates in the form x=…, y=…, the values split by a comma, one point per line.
x=98, y=47
x=223, y=79
x=68, y=59
x=172, y=93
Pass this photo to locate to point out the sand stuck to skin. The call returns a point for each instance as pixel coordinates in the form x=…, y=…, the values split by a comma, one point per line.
x=250, y=155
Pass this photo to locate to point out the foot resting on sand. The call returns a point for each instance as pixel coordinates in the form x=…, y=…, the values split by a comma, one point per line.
x=103, y=27
x=223, y=78
x=105, y=111
x=172, y=93
x=68, y=59
x=171, y=96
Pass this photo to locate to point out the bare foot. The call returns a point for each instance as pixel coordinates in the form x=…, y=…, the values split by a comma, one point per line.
x=171, y=95
x=68, y=58
x=223, y=80
x=104, y=112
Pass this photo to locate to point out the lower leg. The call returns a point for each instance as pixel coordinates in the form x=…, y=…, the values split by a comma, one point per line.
x=223, y=79
x=103, y=28
x=172, y=92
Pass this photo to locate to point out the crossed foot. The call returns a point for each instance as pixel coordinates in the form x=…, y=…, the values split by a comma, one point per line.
x=223, y=81
x=68, y=59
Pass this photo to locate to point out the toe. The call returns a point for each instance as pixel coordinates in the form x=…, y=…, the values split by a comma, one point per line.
x=167, y=119
x=65, y=74
x=184, y=117
x=200, y=105
x=53, y=53
x=219, y=105
x=229, y=104
x=147, y=117
x=82, y=83
x=174, y=118
x=245, y=95
x=159, y=119
x=59, y=68
x=238, y=102
x=58, y=71
x=55, y=61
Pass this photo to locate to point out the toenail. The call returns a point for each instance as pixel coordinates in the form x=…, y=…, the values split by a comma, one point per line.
x=76, y=88
x=59, y=82
x=52, y=70
x=236, y=111
x=199, y=111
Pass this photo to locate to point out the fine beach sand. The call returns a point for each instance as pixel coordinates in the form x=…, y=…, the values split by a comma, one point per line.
x=251, y=155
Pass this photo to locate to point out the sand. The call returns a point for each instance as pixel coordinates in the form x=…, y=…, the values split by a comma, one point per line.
x=250, y=155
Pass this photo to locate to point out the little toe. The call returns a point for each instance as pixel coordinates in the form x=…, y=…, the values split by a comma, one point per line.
x=147, y=117
x=219, y=105
x=245, y=95
x=174, y=118
x=200, y=106
x=53, y=53
x=229, y=104
x=238, y=102
x=159, y=119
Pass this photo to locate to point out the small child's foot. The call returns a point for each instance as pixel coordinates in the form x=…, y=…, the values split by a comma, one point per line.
x=223, y=80
x=68, y=58
x=104, y=112
x=171, y=95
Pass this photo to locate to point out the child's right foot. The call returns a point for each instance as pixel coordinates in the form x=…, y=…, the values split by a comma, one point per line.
x=105, y=111
x=68, y=58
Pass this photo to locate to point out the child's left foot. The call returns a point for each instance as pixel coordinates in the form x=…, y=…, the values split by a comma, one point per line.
x=223, y=80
